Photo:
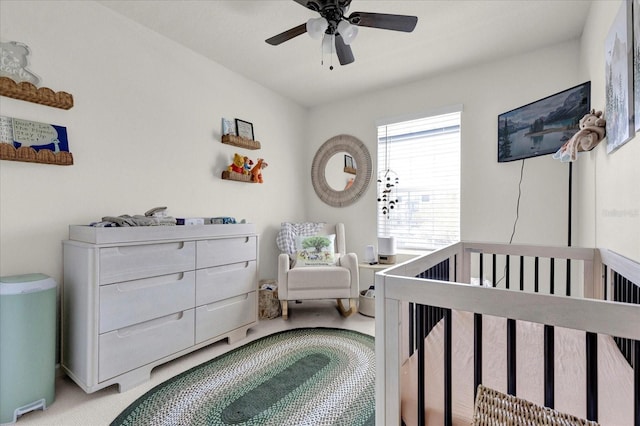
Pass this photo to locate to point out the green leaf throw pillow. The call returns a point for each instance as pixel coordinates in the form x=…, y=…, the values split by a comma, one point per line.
x=317, y=250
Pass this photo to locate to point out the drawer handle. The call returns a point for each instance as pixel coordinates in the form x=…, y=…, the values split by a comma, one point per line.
x=149, y=282
x=227, y=302
x=148, y=248
x=148, y=325
x=240, y=266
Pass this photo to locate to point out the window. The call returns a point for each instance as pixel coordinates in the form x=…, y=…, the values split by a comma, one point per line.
x=425, y=155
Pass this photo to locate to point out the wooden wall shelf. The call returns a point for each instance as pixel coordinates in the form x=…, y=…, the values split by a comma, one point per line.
x=241, y=142
x=30, y=155
x=26, y=91
x=227, y=175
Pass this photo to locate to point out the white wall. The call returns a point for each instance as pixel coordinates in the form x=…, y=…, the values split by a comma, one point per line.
x=144, y=132
x=608, y=184
x=489, y=189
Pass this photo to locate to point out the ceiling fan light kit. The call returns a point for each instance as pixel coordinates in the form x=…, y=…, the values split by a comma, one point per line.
x=347, y=31
x=340, y=30
x=316, y=27
x=328, y=43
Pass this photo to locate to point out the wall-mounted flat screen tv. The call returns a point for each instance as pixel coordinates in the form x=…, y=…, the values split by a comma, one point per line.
x=543, y=126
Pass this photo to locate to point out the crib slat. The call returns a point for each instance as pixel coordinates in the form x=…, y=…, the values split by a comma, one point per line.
x=448, y=405
x=412, y=335
x=511, y=357
x=636, y=382
x=629, y=290
x=624, y=290
x=552, y=275
x=420, y=313
x=507, y=271
x=568, y=277
x=521, y=273
x=493, y=270
x=549, y=367
x=455, y=269
x=592, y=376
x=536, y=277
x=477, y=353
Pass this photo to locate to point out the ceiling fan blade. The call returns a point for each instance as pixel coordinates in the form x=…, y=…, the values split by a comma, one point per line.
x=384, y=21
x=287, y=35
x=345, y=55
x=309, y=4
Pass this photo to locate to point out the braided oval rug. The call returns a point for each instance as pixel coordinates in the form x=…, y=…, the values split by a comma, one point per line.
x=307, y=376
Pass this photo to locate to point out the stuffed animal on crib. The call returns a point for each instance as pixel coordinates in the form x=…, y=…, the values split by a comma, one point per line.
x=256, y=172
x=592, y=131
x=238, y=164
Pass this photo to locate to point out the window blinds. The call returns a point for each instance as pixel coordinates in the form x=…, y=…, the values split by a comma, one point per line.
x=425, y=155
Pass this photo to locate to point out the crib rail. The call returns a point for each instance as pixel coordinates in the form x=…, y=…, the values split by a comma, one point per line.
x=431, y=288
x=617, y=285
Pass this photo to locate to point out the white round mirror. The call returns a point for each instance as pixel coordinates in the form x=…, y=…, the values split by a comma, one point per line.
x=334, y=188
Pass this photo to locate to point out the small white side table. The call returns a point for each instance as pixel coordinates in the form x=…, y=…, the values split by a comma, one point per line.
x=367, y=272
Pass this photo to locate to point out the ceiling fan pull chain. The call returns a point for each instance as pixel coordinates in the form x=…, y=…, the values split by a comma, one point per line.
x=333, y=43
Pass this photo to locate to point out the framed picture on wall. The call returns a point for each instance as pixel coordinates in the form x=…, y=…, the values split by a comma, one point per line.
x=619, y=84
x=244, y=129
x=636, y=63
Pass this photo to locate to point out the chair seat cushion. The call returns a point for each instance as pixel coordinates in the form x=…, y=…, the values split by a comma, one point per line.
x=319, y=277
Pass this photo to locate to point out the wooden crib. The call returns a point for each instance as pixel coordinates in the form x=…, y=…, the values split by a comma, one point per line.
x=530, y=321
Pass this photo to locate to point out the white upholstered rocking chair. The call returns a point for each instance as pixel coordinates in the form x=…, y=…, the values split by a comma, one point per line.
x=299, y=281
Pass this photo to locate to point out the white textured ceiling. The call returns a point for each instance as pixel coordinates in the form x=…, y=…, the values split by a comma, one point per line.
x=449, y=34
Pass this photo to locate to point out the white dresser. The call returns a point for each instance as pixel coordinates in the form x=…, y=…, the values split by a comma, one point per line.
x=134, y=298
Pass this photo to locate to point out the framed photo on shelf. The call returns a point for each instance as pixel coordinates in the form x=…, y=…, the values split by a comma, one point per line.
x=244, y=129
x=228, y=127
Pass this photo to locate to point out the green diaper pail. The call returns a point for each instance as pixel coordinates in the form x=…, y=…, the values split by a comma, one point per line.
x=27, y=344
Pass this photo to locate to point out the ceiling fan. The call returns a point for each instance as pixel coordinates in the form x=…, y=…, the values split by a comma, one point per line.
x=340, y=30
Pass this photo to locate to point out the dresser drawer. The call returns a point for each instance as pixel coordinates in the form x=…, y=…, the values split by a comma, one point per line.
x=123, y=350
x=226, y=315
x=132, y=302
x=223, y=282
x=224, y=251
x=132, y=262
